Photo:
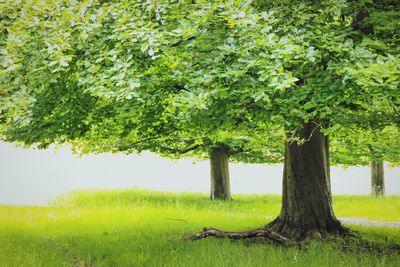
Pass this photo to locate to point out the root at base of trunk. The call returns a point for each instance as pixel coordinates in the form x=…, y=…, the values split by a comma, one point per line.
x=256, y=235
x=298, y=231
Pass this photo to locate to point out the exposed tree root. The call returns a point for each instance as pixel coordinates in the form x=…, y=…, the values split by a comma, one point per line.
x=256, y=235
x=353, y=242
x=304, y=229
x=288, y=235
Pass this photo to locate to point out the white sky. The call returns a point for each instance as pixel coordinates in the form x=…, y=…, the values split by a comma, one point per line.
x=33, y=177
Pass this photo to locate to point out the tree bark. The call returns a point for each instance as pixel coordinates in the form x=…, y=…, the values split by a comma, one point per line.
x=306, y=198
x=377, y=178
x=219, y=160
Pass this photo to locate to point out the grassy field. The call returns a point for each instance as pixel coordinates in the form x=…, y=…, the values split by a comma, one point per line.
x=144, y=228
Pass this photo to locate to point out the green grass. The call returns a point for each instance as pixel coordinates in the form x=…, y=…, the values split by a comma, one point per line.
x=143, y=228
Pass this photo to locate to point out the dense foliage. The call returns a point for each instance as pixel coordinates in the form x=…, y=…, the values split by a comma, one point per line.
x=136, y=75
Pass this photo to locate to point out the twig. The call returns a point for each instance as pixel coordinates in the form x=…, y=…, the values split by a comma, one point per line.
x=179, y=220
x=312, y=132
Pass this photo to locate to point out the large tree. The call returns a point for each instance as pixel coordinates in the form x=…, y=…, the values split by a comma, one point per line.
x=306, y=67
x=127, y=123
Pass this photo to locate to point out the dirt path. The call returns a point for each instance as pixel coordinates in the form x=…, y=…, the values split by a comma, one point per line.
x=365, y=222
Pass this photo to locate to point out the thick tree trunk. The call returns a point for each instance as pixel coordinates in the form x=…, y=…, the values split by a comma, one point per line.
x=377, y=178
x=220, y=187
x=306, y=197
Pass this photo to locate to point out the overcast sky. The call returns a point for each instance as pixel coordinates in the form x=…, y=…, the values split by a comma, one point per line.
x=33, y=177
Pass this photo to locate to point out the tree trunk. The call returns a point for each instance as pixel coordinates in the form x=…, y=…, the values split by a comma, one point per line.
x=377, y=178
x=220, y=188
x=306, y=197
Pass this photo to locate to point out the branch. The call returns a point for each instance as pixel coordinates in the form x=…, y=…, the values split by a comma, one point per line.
x=178, y=43
x=189, y=149
x=179, y=151
x=180, y=87
x=356, y=24
x=139, y=142
x=258, y=234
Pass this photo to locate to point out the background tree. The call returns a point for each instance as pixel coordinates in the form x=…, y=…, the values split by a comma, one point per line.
x=306, y=68
x=219, y=150
x=368, y=148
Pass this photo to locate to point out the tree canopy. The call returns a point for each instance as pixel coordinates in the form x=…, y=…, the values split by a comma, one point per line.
x=61, y=99
x=207, y=66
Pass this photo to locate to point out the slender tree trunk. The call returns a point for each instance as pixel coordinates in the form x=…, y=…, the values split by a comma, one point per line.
x=220, y=187
x=377, y=178
x=306, y=197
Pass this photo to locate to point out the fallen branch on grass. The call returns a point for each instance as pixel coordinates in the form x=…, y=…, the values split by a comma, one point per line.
x=256, y=235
